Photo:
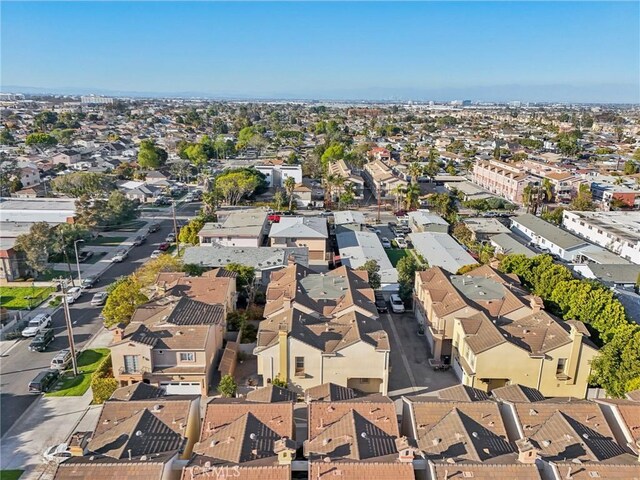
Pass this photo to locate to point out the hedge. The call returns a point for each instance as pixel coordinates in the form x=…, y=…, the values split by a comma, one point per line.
x=102, y=382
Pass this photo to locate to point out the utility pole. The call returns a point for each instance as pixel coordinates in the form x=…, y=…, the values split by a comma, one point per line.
x=67, y=318
x=379, y=198
x=175, y=227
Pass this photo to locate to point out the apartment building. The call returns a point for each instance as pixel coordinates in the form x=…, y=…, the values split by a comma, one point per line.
x=321, y=328
x=548, y=237
x=342, y=170
x=381, y=180
x=276, y=173
x=245, y=439
x=171, y=342
x=425, y=221
x=309, y=232
x=239, y=229
x=618, y=232
x=477, y=320
x=506, y=181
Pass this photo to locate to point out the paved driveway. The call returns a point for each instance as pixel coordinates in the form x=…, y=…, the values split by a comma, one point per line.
x=410, y=372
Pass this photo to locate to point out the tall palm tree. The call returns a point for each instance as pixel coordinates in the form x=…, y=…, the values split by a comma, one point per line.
x=412, y=196
x=414, y=169
x=289, y=186
x=398, y=193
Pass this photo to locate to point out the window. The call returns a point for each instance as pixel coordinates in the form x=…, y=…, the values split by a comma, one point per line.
x=187, y=357
x=562, y=363
x=299, y=367
x=132, y=363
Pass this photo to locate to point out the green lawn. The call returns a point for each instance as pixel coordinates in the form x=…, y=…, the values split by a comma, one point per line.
x=395, y=254
x=18, y=298
x=107, y=241
x=70, y=386
x=133, y=226
x=10, y=474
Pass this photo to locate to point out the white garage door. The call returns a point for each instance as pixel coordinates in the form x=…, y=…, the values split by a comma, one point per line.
x=181, y=388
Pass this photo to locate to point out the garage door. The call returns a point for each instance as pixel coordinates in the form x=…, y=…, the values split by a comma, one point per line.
x=181, y=388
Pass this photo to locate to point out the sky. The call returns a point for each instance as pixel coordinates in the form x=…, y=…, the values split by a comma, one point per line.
x=482, y=51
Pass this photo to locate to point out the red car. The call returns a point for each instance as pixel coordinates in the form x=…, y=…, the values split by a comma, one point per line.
x=164, y=246
x=274, y=218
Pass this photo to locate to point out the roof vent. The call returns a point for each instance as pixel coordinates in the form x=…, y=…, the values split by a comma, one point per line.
x=364, y=435
x=585, y=436
x=546, y=443
x=139, y=433
x=474, y=434
x=436, y=441
x=326, y=441
x=253, y=436
x=156, y=408
x=143, y=458
x=213, y=443
x=326, y=459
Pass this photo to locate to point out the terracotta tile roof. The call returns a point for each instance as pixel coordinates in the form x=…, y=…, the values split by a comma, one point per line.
x=271, y=394
x=207, y=289
x=589, y=471
x=137, y=391
x=320, y=470
x=517, y=393
x=141, y=434
x=329, y=392
x=446, y=299
x=462, y=393
x=634, y=396
x=105, y=468
x=203, y=468
x=173, y=411
x=379, y=410
x=630, y=412
x=488, y=471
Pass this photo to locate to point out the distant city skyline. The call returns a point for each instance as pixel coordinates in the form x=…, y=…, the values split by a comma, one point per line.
x=538, y=51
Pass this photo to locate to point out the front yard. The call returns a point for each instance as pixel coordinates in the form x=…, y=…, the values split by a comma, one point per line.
x=70, y=386
x=107, y=241
x=10, y=474
x=20, y=298
x=395, y=254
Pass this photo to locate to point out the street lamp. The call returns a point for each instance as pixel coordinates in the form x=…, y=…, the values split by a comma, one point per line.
x=75, y=247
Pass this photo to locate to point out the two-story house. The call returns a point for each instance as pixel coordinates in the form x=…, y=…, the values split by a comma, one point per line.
x=476, y=320
x=171, y=342
x=321, y=328
x=239, y=229
x=310, y=232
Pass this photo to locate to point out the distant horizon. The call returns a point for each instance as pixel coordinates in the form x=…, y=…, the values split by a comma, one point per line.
x=551, y=52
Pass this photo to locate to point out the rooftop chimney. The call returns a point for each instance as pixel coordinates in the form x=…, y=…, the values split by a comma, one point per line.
x=118, y=333
x=527, y=453
x=536, y=304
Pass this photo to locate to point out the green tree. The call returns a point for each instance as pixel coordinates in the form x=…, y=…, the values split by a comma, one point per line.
x=151, y=156
x=617, y=367
x=189, y=233
x=411, y=196
x=289, y=186
x=332, y=154
x=278, y=382
x=146, y=275
x=583, y=201
x=227, y=386
x=6, y=138
x=40, y=139
x=407, y=267
x=196, y=154
x=124, y=297
x=83, y=183
x=554, y=216
x=233, y=185
x=631, y=167
x=63, y=238
x=636, y=155
x=245, y=279
x=373, y=269
x=36, y=246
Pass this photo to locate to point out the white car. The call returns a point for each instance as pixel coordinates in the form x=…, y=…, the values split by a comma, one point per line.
x=156, y=253
x=57, y=453
x=401, y=242
x=397, y=305
x=120, y=256
x=385, y=242
x=36, y=325
x=73, y=294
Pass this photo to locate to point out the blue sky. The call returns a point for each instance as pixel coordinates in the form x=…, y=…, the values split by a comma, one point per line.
x=585, y=51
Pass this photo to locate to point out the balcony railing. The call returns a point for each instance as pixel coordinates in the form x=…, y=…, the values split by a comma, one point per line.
x=133, y=371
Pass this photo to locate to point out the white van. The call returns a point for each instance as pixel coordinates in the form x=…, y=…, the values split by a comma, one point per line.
x=61, y=360
x=397, y=305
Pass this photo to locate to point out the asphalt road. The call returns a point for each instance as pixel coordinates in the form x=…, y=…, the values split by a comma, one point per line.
x=19, y=366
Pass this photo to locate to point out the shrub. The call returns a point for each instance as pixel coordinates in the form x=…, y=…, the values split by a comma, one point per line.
x=227, y=386
x=102, y=382
x=249, y=333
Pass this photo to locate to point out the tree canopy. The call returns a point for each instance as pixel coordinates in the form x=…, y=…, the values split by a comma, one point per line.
x=83, y=183
x=151, y=156
x=373, y=269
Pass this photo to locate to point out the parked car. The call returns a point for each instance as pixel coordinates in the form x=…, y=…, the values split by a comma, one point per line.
x=89, y=282
x=385, y=242
x=163, y=247
x=189, y=197
x=156, y=253
x=401, y=242
x=154, y=227
x=170, y=238
x=161, y=201
x=273, y=218
x=42, y=340
x=84, y=256
x=120, y=256
x=57, y=453
x=43, y=381
x=397, y=305
x=99, y=299
x=36, y=325
x=381, y=303
x=73, y=294
x=139, y=240
x=61, y=360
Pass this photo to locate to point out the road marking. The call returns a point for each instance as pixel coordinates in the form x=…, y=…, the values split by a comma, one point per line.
x=402, y=354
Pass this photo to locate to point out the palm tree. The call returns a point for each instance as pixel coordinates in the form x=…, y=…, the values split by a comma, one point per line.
x=414, y=169
x=289, y=186
x=398, y=192
x=527, y=196
x=412, y=196
x=330, y=181
x=547, y=188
